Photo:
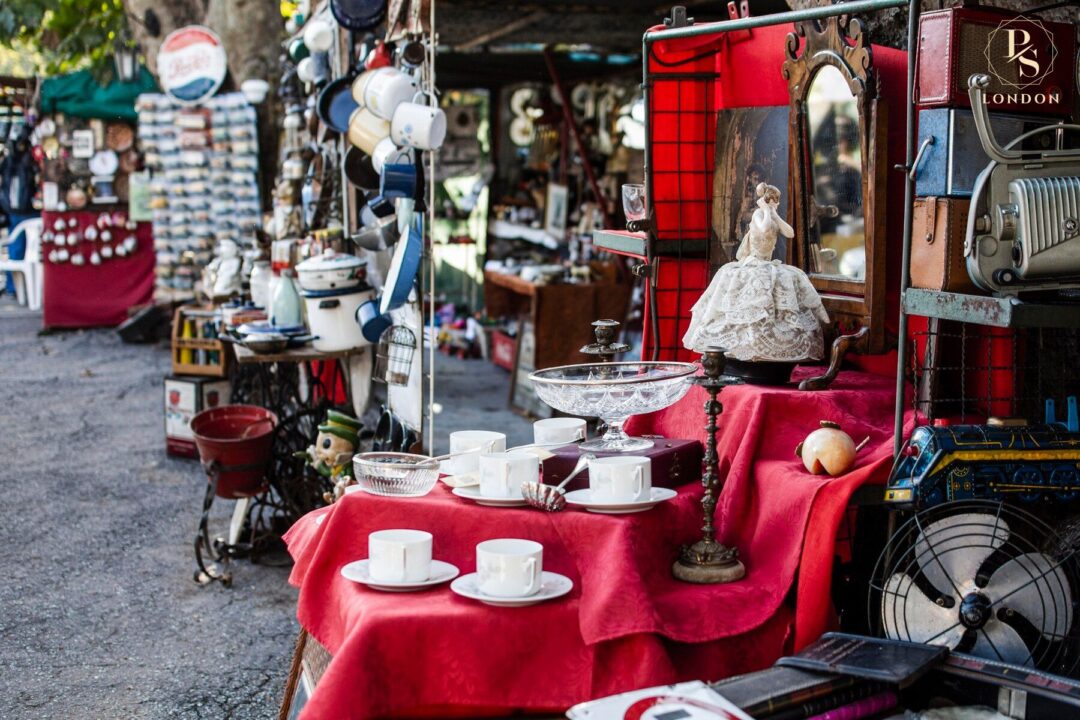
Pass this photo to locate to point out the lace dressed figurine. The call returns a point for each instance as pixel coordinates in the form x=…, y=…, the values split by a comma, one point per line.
x=757, y=308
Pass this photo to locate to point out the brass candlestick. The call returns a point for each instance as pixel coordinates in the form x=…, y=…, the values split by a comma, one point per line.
x=708, y=561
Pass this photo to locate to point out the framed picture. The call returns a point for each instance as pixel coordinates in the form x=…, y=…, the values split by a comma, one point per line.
x=555, y=210
x=751, y=147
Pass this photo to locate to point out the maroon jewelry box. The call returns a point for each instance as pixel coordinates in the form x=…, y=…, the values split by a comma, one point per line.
x=674, y=463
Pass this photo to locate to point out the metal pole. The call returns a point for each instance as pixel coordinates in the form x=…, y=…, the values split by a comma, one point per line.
x=845, y=8
x=905, y=260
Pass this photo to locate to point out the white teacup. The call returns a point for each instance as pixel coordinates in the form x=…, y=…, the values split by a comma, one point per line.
x=418, y=126
x=399, y=555
x=387, y=153
x=387, y=88
x=620, y=478
x=502, y=473
x=558, y=430
x=366, y=129
x=472, y=442
x=509, y=568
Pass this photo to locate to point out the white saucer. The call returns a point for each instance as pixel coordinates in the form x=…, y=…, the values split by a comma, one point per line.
x=440, y=573
x=552, y=585
x=473, y=493
x=583, y=498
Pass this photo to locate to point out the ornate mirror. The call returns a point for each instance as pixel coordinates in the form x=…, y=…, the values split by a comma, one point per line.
x=836, y=132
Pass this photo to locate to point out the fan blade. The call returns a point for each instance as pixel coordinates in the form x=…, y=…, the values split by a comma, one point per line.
x=998, y=641
x=1032, y=586
x=950, y=551
x=907, y=614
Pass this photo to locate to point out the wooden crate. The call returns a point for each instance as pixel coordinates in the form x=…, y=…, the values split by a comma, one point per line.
x=220, y=368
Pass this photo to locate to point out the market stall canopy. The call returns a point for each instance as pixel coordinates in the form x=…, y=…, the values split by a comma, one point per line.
x=80, y=94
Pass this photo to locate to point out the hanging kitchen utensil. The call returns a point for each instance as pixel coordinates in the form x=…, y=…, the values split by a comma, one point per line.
x=358, y=14
x=403, y=268
x=372, y=322
x=377, y=236
x=336, y=104
x=359, y=169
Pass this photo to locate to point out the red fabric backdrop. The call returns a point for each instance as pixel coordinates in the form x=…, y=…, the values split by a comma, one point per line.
x=96, y=295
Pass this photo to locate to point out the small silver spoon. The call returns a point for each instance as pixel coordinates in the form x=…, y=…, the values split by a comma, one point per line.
x=552, y=497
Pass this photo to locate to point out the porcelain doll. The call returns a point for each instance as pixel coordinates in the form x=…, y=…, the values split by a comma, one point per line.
x=757, y=308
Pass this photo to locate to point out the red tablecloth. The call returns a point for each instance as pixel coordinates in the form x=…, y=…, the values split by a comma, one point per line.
x=626, y=624
x=96, y=295
x=783, y=519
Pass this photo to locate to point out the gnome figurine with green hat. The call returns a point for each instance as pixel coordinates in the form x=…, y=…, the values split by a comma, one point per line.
x=332, y=453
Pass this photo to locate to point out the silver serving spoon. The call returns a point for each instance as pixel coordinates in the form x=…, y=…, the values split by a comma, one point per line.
x=552, y=497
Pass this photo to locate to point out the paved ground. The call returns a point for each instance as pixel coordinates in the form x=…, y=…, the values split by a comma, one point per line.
x=99, y=617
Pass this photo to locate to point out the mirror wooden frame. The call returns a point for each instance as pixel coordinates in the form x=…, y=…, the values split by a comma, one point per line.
x=840, y=42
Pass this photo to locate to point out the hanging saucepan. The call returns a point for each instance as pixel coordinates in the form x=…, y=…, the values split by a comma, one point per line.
x=403, y=268
x=336, y=104
x=358, y=14
x=372, y=322
x=359, y=169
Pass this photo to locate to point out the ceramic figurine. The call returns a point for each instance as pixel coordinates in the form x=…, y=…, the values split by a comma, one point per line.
x=221, y=276
x=828, y=450
x=756, y=308
x=331, y=455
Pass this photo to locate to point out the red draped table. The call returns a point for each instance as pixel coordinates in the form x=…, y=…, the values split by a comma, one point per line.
x=627, y=623
x=77, y=296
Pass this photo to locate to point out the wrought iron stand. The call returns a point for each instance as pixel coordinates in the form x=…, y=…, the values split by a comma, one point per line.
x=708, y=561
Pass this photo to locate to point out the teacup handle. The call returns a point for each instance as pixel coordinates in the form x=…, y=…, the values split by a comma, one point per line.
x=504, y=479
x=404, y=559
x=639, y=480
x=533, y=572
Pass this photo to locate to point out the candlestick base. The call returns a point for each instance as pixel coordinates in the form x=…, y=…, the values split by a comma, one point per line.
x=708, y=562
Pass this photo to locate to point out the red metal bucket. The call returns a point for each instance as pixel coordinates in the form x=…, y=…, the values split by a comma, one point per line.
x=235, y=441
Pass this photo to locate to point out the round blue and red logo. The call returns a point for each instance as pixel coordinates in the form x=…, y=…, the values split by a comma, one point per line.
x=191, y=64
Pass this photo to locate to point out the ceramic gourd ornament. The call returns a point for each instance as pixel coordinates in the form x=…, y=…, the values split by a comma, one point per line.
x=828, y=450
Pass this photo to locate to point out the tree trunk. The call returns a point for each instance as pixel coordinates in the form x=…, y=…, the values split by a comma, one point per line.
x=250, y=30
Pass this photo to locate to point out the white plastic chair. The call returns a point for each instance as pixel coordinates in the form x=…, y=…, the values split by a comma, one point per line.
x=29, y=272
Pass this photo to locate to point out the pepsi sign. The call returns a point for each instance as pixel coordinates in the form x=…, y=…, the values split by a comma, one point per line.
x=191, y=64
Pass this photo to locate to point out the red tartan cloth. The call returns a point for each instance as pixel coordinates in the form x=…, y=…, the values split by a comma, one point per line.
x=76, y=296
x=783, y=519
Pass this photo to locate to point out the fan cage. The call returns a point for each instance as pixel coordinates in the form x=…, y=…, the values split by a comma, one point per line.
x=394, y=355
x=1027, y=534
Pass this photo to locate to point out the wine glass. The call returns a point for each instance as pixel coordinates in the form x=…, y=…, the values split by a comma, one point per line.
x=633, y=202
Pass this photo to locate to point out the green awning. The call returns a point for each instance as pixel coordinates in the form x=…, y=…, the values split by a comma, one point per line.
x=79, y=94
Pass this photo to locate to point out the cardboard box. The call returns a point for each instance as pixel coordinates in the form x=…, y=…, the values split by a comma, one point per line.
x=186, y=397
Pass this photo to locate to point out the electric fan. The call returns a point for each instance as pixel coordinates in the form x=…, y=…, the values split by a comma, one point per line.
x=982, y=578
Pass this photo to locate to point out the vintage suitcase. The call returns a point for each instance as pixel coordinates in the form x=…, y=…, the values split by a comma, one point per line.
x=674, y=463
x=1030, y=61
x=938, y=228
x=955, y=157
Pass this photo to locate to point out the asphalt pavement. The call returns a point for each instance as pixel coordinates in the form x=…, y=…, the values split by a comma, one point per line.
x=99, y=615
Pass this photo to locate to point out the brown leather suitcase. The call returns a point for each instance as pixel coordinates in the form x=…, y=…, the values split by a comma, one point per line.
x=938, y=227
x=674, y=463
x=1030, y=62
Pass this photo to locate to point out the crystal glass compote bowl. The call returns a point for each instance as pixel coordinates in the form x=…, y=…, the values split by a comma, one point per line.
x=613, y=392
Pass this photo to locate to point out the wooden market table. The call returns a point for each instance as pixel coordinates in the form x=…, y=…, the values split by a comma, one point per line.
x=561, y=314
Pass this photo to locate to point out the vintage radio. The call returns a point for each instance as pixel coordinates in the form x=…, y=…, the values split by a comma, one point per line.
x=1023, y=230
x=1030, y=62
x=938, y=227
x=951, y=154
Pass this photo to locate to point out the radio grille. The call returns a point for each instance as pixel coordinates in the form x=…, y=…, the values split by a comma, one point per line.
x=1049, y=210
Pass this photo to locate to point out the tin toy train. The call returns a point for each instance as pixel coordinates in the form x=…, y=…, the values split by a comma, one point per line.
x=1011, y=461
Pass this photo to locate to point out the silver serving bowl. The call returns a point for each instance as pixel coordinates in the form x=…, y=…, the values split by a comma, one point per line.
x=397, y=474
x=613, y=392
